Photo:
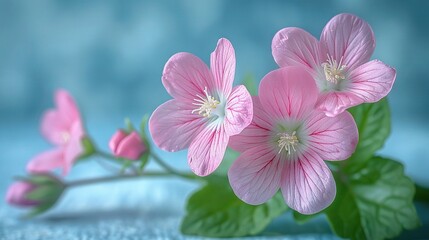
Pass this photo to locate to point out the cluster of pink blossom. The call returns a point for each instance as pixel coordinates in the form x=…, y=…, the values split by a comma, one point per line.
x=63, y=128
x=297, y=121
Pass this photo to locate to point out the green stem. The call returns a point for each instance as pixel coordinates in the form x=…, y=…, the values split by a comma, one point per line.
x=171, y=170
x=156, y=158
x=115, y=178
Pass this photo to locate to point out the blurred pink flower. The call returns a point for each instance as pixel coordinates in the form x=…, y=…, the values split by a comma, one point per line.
x=205, y=111
x=63, y=128
x=286, y=143
x=128, y=146
x=17, y=194
x=338, y=62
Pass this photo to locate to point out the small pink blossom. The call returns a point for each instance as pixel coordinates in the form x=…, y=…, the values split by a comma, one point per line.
x=17, y=194
x=63, y=128
x=205, y=110
x=126, y=145
x=339, y=62
x=286, y=143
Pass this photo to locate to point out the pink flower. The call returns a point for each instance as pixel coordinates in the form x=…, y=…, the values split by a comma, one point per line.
x=63, y=128
x=338, y=62
x=205, y=111
x=17, y=194
x=128, y=146
x=286, y=143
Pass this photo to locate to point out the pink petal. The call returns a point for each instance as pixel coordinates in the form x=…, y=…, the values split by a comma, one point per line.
x=334, y=103
x=260, y=117
x=17, y=194
x=67, y=106
x=173, y=126
x=185, y=76
x=307, y=184
x=332, y=138
x=131, y=147
x=255, y=175
x=54, y=128
x=288, y=92
x=207, y=150
x=56, y=123
x=252, y=136
x=239, y=111
x=349, y=37
x=116, y=139
x=295, y=47
x=222, y=64
x=256, y=133
x=372, y=81
x=74, y=146
x=46, y=161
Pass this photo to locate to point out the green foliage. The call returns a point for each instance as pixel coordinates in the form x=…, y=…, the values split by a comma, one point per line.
x=374, y=197
x=375, y=202
x=129, y=127
x=144, y=159
x=373, y=122
x=215, y=211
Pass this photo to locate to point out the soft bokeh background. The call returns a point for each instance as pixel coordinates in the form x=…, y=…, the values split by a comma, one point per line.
x=110, y=55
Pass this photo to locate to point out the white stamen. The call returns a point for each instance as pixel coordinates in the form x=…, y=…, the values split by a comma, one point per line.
x=334, y=71
x=288, y=142
x=205, y=104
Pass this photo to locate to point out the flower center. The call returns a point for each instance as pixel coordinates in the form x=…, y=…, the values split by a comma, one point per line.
x=288, y=142
x=205, y=104
x=65, y=136
x=334, y=71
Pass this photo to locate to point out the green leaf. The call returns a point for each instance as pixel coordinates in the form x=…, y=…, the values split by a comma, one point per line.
x=40, y=209
x=250, y=83
x=143, y=132
x=144, y=159
x=373, y=122
x=215, y=211
x=374, y=202
x=125, y=164
x=129, y=127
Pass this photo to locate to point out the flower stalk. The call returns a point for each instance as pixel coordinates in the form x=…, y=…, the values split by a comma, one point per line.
x=90, y=181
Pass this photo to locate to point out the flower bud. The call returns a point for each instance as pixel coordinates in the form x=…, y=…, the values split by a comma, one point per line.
x=39, y=192
x=17, y=194
x=129, y=146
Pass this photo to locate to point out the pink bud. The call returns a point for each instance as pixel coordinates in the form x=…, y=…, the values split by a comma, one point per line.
x=128, y=146
x=17, y=194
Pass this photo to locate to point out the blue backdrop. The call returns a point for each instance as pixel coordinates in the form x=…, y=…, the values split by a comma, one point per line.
x=110, y=55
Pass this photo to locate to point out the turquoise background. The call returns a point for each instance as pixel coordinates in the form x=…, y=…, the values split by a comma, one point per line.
x=110, y=55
